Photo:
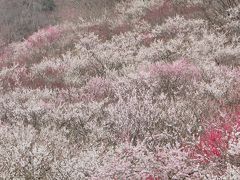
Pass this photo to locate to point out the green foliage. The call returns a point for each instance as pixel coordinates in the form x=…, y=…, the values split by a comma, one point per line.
x=48, y=5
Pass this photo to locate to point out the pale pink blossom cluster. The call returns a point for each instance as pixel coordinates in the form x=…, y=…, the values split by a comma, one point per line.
x=43, y=36
x=22, y=52
x=178, y=69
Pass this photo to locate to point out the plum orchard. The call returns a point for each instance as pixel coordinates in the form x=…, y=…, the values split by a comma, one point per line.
x=123, y=99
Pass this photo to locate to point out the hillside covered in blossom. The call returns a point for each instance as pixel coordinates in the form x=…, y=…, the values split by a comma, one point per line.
x=148, y=91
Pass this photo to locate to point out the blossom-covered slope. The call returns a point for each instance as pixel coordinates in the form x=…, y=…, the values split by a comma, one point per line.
x=132, y=97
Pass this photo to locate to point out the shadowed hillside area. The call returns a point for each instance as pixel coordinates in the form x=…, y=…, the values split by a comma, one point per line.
x=124, y=89
x=20, y=18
